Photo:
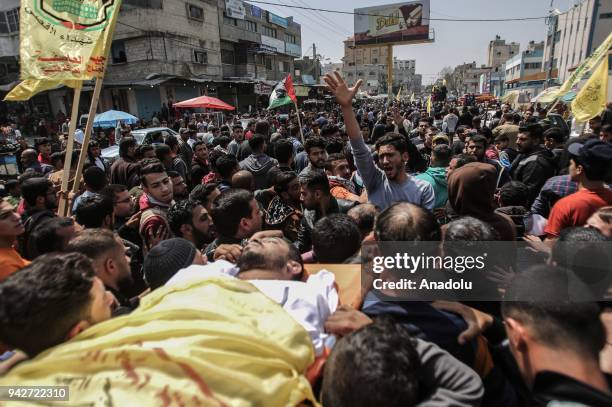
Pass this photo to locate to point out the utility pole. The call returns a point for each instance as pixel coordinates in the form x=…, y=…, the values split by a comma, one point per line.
x=314, y=61
x=552, y=21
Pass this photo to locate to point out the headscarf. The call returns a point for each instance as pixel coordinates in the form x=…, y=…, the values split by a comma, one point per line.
x=470, y=193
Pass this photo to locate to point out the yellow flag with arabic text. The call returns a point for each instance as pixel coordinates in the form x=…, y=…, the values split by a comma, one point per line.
x=63, y=41
x=591, y=99
x=399, y=93
x=429, y=105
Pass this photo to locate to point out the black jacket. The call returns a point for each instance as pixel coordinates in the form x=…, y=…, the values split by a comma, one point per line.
x=533, y=170
x=551, y=386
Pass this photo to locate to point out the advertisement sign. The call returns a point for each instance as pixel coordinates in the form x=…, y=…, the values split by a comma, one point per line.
x=278, y=20
x=398, y=23
x=261, y=88
x=301, y=91
x=278, y=45
x=235, y=9
x=255, y=11
x=294, y=50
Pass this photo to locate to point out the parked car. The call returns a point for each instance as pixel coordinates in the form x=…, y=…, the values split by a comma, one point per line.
x=142, y=136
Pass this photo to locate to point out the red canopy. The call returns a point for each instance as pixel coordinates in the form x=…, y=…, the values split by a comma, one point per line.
x=205, y=102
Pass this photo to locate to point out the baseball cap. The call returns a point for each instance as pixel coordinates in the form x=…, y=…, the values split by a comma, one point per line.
x=593, y=150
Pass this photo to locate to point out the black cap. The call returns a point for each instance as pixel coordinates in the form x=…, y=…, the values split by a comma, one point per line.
x=593, y=150
x=165, y=259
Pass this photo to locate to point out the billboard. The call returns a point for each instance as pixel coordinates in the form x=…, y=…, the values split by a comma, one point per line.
x=392, y=23
x=278, y=20
x=273, y=43
x=294, y=50
x=235, y=9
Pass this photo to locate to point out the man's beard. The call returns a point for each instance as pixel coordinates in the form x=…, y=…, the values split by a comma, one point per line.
x=125, y=283
x=201, y=238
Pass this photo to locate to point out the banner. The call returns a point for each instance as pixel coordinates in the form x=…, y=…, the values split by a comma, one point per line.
x=63, y=40
x=586, y=66
x=66, y=39
x=398, y=23
x=591, y=99
x=278, y=20
x=235, y=9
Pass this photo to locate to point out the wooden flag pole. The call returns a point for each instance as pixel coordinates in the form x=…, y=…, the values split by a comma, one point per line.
x=90, y=119
x=297, y=111
x=63, y=199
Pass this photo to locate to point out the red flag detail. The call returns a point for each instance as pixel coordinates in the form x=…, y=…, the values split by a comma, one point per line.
x=289, y=88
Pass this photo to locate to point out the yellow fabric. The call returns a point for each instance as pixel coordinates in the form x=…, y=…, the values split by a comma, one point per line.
x=399, y=93
x=429, y=105
x=585, y=67
x=591, y=99
x=63, y=41
x=211, y=342
x=30, y=87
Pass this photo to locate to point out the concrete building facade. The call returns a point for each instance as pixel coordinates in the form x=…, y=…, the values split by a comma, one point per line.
x=370, y=65
x=524, y=71
x=573, y=35
x=500, y=52
x=165, y=51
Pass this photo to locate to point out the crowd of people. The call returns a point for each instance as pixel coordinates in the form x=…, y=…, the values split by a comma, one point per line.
x=275, y=205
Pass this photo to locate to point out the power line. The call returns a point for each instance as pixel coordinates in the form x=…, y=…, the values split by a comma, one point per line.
x=324, y=18
x=380, y=15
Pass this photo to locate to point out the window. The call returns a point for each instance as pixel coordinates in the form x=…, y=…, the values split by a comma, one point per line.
x=118, y=55
x=200, y=57
x=13, y=19
x=229, y=21
x=374, y=60
x=602, y=15
x=555, y=62
x=350, y=75
x=557, y=36
x=290, y=38
x=286, y=66
x=351, y=64
x=9, y=21
x=251, y=26
x=359, y=73
x=372, y=73
x=498, y=53
x=195, y=12
x=227, y=56
x=269, y=63
x=268, y=31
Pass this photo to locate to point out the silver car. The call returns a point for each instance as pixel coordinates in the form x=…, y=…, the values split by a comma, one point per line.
x=142, y=136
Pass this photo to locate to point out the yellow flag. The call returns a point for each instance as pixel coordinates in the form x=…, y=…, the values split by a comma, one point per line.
x=586, y=66
x=28, y=88
x=591, y=99
x=429, y=105
x=209, y=342
x=399, y=93
x=63, y=40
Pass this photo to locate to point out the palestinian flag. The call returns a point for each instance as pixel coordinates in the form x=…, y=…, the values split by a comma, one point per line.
x=283, y=93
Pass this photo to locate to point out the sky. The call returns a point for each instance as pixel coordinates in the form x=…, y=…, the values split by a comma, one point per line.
x=455, y=42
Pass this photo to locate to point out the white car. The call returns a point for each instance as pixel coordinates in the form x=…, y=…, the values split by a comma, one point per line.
x=142, y=136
